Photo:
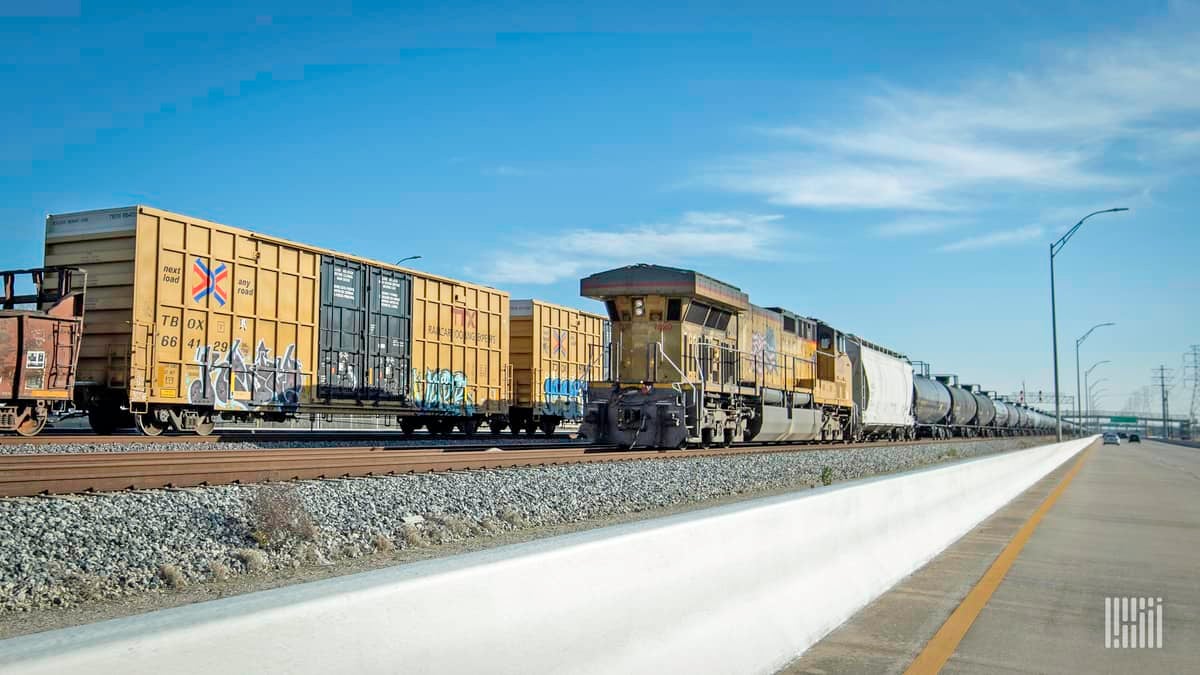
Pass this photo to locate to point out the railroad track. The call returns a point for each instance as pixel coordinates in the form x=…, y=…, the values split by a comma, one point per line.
x=85, y=436
x=30, y=475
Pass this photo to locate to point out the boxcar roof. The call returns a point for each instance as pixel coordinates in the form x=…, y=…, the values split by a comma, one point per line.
x=64, y=221
x=524, y=306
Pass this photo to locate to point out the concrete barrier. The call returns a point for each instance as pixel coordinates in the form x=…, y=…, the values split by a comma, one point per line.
x=741, y=588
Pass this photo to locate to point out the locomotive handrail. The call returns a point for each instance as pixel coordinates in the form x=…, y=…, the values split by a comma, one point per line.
x=695, y=393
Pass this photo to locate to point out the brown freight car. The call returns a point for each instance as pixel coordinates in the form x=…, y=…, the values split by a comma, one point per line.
x=39, y=344
x=555, y=352
x=190, y=319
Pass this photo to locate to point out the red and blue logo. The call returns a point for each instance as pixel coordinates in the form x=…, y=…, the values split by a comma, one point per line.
x=209, y=282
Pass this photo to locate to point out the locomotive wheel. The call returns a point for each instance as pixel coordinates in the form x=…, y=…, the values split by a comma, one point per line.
x=148, y=425
x=706, y=438
x=727, y=439
x=32, y=424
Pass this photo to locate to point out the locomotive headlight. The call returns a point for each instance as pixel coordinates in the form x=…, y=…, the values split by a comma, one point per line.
x=639, y=306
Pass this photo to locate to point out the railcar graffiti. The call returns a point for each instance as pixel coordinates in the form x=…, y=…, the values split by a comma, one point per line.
x=764, y=350
x=564, y=397
x=444, y=391
x=226, y=381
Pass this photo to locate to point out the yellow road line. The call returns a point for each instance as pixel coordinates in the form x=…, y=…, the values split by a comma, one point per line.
x=942, y=645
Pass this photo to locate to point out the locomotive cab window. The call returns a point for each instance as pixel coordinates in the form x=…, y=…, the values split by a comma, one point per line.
x=697, y=312
x=789, y=324
x=674, y=309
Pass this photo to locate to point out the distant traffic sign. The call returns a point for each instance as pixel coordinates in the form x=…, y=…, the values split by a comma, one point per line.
x=1123, y=420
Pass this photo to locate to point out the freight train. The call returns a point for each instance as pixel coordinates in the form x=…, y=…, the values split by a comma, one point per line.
x=694, y=362
x=189, y=321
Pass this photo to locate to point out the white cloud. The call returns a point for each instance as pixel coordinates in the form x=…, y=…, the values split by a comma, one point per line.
x=1047, y=129
x=994, y=239
x=695, y=236
x=506, y=171
x=913, y=226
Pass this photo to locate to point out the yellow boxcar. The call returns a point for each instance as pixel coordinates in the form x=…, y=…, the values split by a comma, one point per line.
x=555, y=352
x=188, y=318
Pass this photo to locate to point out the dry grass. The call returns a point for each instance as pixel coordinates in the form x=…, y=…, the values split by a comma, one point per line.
x=382, y=543
x=172, y=576
x=278, y=516
x=513, y=517
x=253, y=559
x=452, y=527
x=491, y=526
x=219, y=570
x=413, y=537
x=86, y=586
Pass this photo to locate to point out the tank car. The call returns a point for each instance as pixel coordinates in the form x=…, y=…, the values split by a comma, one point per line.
x=931, y=406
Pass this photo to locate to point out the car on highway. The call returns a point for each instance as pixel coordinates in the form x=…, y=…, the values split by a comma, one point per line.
x=1112, y=439
x=1134, y=438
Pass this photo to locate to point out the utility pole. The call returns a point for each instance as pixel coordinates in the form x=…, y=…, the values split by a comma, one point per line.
x=1191, y=375
x=1162, y=378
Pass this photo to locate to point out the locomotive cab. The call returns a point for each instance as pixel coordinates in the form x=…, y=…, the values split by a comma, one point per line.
x=695, y=363
x=675, y=359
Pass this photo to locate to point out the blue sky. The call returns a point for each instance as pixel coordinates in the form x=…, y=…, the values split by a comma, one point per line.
x=896, y=170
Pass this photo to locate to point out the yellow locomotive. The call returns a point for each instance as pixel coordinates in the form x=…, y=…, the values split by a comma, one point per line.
x=693, y=361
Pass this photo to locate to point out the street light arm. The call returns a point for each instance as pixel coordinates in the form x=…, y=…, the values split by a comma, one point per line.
x=1099, y=325
x=1062, y=241
x=1098, y=363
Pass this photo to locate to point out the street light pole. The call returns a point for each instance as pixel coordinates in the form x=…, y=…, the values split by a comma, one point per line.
x=1055, y=248
x=1085, y=383
x=1078, y=390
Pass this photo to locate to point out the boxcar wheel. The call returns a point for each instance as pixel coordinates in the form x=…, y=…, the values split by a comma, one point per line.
x=548, y=425
x=32, y=425
x=148, y=425
x=468, y=427
x=205, y=425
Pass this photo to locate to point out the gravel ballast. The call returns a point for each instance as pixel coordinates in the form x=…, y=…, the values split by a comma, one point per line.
x=70, y=551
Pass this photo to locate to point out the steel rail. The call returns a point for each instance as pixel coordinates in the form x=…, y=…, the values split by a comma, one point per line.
x=31, y=475
x=83, y=436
